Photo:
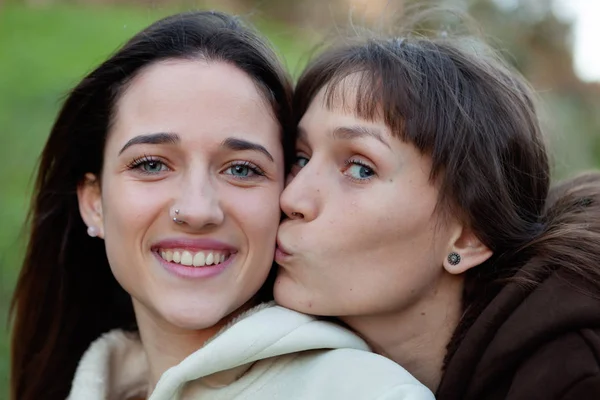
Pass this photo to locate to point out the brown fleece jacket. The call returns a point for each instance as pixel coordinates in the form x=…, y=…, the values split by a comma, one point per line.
x=531, y=343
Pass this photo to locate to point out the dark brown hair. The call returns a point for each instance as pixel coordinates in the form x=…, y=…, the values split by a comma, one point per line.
x=460, y=104
x=66, y=295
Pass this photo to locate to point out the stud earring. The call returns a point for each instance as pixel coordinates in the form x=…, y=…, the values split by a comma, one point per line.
x=454, y=258
x=92, y=231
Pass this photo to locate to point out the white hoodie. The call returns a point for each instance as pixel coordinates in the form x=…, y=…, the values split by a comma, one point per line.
x=269, y=352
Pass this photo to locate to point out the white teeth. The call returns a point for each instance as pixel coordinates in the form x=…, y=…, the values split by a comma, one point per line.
x=186, y=258
x=199, y=260
x=210, y=259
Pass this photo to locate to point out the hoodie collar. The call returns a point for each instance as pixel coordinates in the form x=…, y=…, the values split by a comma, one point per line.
x=115, y=365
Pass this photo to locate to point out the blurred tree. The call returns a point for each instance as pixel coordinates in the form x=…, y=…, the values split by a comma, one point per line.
x=528, y=33
x=540, y=44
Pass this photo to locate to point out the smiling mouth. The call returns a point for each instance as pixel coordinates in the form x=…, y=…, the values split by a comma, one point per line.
x=194, y=259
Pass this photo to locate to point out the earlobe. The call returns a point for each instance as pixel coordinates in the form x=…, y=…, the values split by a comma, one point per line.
x=90, y=205
x=466, y=252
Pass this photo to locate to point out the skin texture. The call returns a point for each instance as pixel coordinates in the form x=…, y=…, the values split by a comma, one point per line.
x=364, y=242
x=224, y=193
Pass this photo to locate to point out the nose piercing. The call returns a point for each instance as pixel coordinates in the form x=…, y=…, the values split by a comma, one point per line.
x=175, y=219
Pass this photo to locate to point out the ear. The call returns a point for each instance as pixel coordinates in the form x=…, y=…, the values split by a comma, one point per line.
x=90, y=203
x=471, y=250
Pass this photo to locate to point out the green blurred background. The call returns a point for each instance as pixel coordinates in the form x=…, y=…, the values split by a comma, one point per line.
x=46, y=46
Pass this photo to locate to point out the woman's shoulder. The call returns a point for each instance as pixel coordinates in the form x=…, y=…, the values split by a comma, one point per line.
x=348, y=373
x=568, y=364
x=273, y=352
x=297, y=356
x=269, y=330
x=114, y=364
x=537, y=341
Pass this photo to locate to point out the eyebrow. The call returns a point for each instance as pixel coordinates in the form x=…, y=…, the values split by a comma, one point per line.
x=301, y=133
x=354, y=132
x=241, y=145
x=153, y=138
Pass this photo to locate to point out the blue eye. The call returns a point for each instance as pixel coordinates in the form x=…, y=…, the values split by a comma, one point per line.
x=153, y=167
x=359, y=171
x=244, y=170
x=148, y=165
x=240, y=170
x=301, y=161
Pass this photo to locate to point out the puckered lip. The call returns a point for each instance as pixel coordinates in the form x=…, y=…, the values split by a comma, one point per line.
x=284, y=250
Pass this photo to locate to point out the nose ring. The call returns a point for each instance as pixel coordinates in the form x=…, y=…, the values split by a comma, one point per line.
x=177, y=220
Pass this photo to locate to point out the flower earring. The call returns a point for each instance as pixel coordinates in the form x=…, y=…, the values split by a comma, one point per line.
x=454, y=258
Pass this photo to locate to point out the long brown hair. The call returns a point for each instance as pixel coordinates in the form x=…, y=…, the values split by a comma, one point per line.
x=455, y=100
x=66, y=296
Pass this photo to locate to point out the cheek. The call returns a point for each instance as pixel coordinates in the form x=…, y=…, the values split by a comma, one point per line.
x=403, y=225
x=129, y=210
x=130, y=205
x=257, y=212
x=376, y=227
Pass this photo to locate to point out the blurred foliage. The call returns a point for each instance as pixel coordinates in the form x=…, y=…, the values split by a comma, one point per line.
x=539, y=43
x=530, y=34
x=46, y=46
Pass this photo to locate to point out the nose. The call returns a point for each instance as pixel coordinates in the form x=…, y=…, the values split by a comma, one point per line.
x=198, y=205
x=303, y=194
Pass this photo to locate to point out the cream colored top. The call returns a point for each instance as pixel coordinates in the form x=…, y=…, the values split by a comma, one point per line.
x=269, y=352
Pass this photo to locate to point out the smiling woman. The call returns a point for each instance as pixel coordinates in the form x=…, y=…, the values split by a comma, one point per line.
x=170, y=155
x=196, y=171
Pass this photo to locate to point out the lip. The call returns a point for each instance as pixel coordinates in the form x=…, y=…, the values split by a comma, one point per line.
x=183, y=271
x=193, y=245
x=281, y=253
x=189, y=272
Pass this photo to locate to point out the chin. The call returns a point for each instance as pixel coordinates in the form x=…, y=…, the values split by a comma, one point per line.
x=281, y=289
x=192, y=322
x=287, y=294
x=194, y=318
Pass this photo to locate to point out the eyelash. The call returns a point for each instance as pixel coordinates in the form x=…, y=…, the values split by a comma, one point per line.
x=347, y=163
x=362, y=164
x=253, y=167
x=301, y=156
x=140, y=161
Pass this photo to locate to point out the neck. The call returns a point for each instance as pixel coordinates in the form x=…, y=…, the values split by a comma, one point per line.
x=167, y=345
x=416, y=337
